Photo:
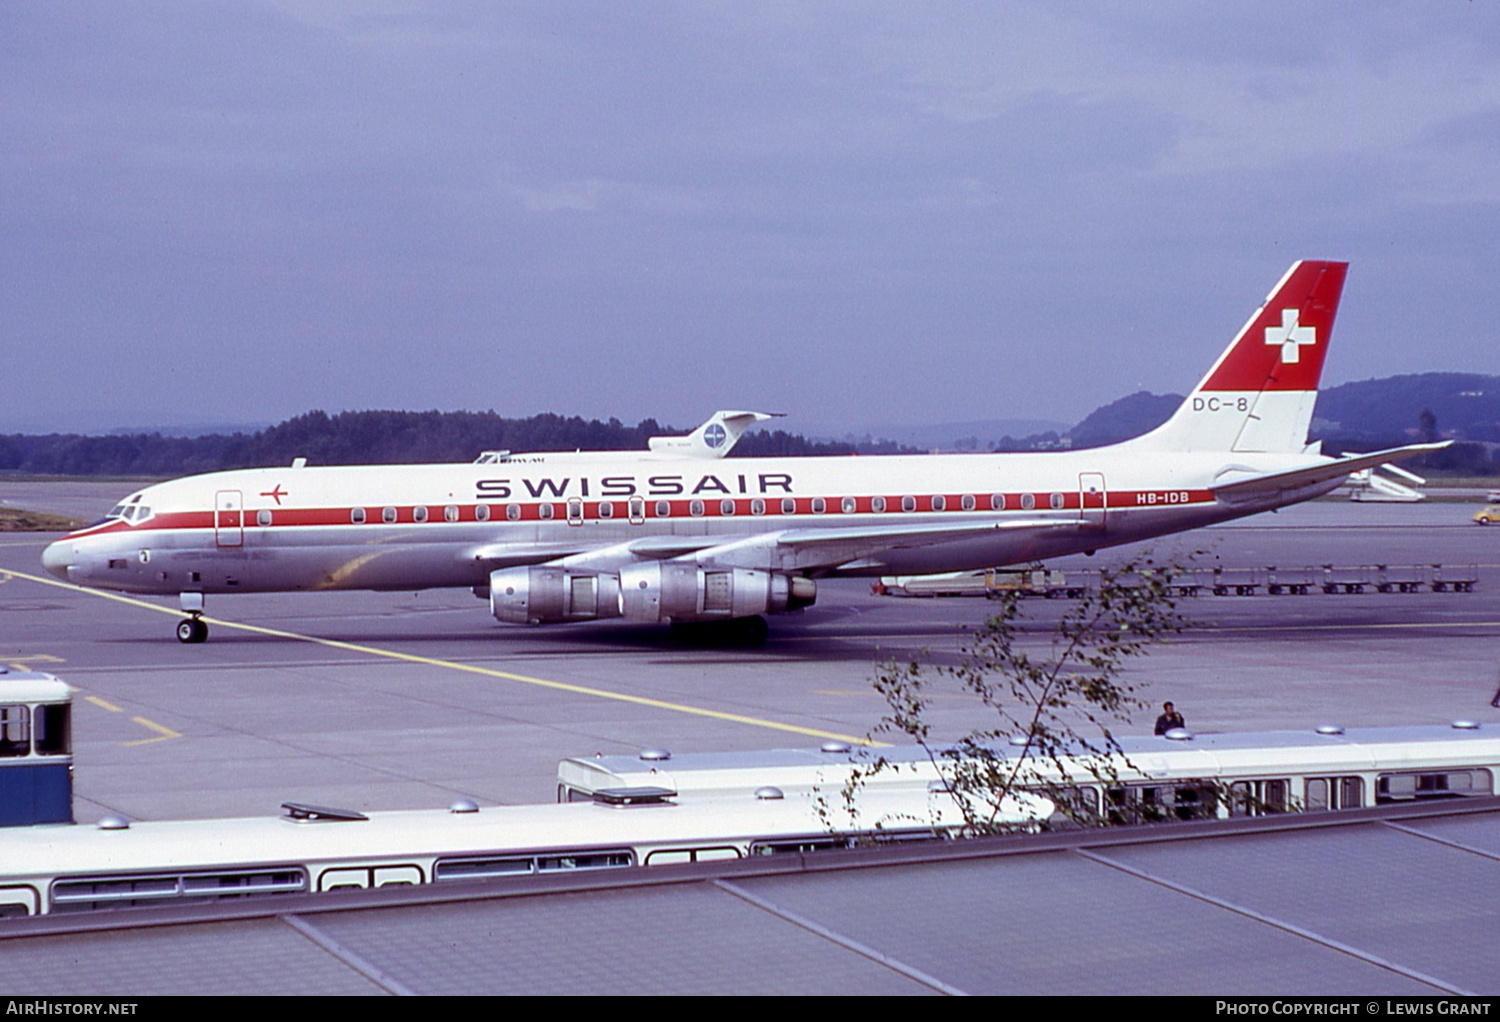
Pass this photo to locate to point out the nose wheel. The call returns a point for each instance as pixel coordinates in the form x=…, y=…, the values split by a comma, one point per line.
x=192, y=630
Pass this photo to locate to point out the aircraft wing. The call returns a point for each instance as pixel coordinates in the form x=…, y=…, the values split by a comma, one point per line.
x=814, y=549
x=511, y=555
x=776, y=550
x=1297, y=478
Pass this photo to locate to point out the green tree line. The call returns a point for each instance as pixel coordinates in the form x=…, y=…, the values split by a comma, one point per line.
x=366, y=438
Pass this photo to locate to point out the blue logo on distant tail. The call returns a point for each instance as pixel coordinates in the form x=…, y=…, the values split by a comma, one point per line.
x=714, y=436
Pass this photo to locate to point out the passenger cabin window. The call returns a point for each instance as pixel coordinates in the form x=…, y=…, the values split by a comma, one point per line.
x=606, y=509
x=667, y=856
x=663, y=509
x=450, y=513
x=908, y=503
x=757, y=506
x=726, y=507
x=695, y=508
x=1257, y=798
x=997, y=502
x=1325, y=793
x=544, y=511
x=419, y=514
x=481, y=512
x=877, y=504
x=788, y=506
x=513, y=512
x=15, y=731
x=1161, y=803
x=388, y=515
x=940, y=503
x=848, y=505
x=1056, y=501
x=819, y=505
x=53, y=734
x=967, y=502
x=1027, y=502
x=1409, y=786
x=357, y=515
x=263, y=517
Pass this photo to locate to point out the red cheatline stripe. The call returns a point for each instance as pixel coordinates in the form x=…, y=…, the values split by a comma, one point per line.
x=651, y=507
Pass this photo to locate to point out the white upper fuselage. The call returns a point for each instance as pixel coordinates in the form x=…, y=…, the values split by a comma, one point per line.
x=419, y=526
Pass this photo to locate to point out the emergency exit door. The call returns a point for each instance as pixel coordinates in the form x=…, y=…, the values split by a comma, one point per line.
x=1092, y=499
x=229, y=518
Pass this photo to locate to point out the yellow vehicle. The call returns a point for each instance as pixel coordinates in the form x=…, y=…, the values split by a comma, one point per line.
x=1489, y=516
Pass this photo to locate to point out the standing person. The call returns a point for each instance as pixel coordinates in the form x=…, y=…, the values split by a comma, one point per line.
x=1169, y=719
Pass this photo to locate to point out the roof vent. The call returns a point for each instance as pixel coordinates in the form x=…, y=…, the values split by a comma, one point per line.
x=304, y=813
x=1466, y=725
x=643, y=796
x=1329, y=729
x=464, y=805
x=113, y=822
x=834, y=746
x=769, y=793
x=655, y=755
x=1179, y=734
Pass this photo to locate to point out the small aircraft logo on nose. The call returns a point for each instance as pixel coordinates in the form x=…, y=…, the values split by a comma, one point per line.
x=275, y=494
x=714, y=436
x=1290, y=336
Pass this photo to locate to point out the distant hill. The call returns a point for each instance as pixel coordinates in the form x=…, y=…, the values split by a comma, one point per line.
x=977, y=435
x=1366, y=415
x=1128, y=417
x=1362, y=416
x=1464, y=406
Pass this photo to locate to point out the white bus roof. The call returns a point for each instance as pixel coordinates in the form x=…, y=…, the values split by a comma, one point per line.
x=31, y=687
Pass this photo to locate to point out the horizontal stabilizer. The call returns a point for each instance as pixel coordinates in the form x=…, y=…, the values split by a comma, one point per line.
x=1297, y=478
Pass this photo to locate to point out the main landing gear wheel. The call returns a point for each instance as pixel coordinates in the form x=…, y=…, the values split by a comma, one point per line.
x=192, y=630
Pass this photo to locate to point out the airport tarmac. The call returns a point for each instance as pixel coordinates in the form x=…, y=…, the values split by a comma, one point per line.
x=405, y=700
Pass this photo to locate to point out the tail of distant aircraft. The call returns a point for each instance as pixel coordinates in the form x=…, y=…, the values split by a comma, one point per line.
x=714, y=439
x=1259, y=395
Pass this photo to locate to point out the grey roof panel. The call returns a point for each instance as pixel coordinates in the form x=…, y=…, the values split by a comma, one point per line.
x=252, y=956
x=681, y=939
x=1060, y=924
x=1394, y=895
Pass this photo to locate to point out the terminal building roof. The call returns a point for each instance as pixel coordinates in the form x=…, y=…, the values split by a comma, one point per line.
x=1394, y=900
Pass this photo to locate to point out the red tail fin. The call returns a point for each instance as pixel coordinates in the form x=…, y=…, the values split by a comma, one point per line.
x=1259, y=395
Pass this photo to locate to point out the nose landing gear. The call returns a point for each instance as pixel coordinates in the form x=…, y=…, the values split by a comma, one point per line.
x=192, y=629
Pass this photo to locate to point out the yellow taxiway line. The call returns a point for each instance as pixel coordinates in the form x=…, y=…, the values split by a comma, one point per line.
x=453, y=665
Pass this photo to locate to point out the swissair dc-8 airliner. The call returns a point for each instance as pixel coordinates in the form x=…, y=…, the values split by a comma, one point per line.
x=678, y=534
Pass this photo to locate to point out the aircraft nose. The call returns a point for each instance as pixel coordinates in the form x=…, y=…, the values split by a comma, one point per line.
x=57, y=558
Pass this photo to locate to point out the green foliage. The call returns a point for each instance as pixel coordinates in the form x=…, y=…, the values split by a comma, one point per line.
x=366, y=438
x=1049, y=716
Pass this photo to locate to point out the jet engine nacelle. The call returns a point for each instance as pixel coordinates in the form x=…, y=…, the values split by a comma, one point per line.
x=543, y=595
x=671, y=591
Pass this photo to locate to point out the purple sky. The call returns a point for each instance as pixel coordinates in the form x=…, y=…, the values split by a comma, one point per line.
x=849, y=212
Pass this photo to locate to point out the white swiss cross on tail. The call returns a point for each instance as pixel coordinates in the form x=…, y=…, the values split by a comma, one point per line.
x=1290, y=336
